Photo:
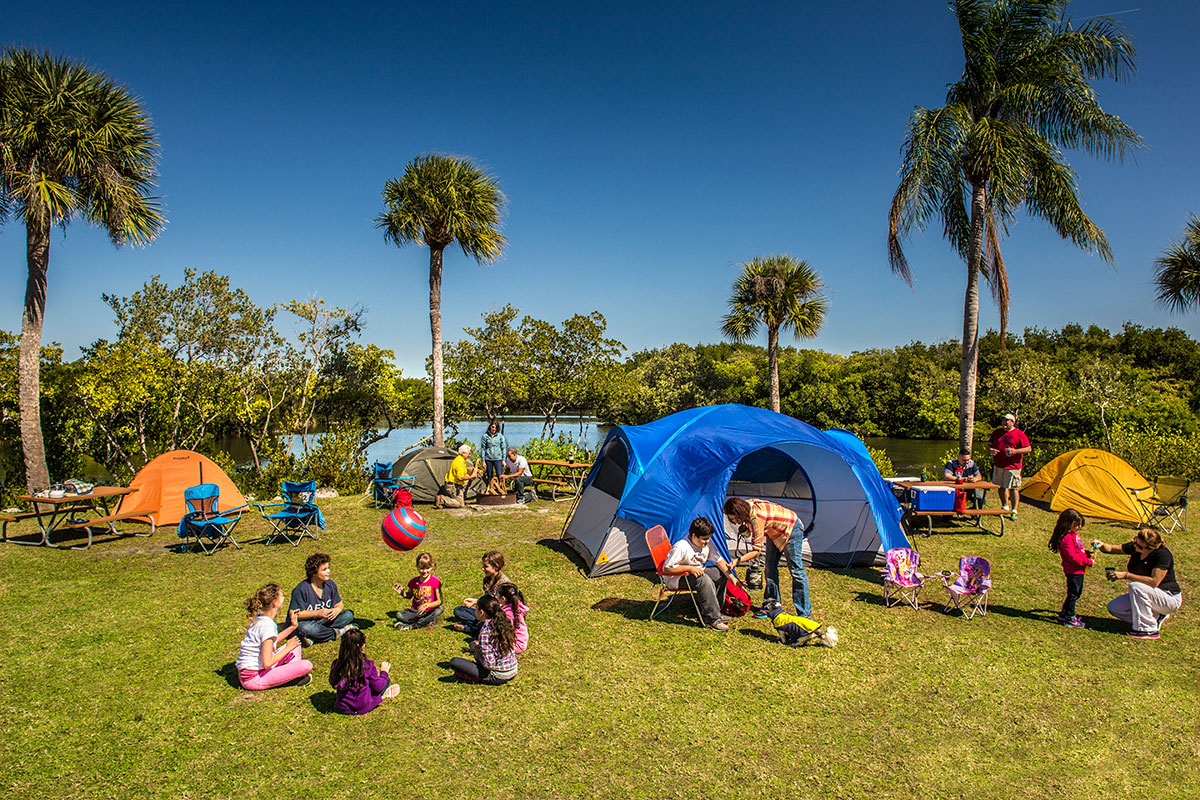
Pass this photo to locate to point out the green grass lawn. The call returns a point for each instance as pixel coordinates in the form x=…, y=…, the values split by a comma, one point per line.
x=117, y=680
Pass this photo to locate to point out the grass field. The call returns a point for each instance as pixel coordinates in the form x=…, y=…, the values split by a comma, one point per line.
x=117, y=680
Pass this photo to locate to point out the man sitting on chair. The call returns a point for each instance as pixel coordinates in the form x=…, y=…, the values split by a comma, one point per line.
x=687, y=559
x=964, y=470
x=454, y=491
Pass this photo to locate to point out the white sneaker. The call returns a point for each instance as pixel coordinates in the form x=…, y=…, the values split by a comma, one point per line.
x=340, y=632
x=1005, y=508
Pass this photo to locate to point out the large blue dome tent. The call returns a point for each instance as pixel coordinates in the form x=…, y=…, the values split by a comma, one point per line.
x=683, y=466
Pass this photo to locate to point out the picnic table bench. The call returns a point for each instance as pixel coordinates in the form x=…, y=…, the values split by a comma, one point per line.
x=60, y=513
x=560, y=475
x=972, y=515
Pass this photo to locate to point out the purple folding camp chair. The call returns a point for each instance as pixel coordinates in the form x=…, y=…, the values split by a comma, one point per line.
x=967, y=589
x=902, y=583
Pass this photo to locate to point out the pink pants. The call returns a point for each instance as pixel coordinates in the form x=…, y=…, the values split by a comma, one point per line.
x=291, y=667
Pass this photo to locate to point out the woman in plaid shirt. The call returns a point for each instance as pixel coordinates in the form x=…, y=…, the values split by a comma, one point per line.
x=781, y=532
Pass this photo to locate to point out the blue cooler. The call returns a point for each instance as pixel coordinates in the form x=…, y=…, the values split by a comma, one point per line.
x=932, y=498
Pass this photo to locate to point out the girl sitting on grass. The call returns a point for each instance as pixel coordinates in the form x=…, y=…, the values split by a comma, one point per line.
x=360, y=687
x=513, y=604
x=495, y=662
x=493, y=578
x=1066, y=542
x=261, y=663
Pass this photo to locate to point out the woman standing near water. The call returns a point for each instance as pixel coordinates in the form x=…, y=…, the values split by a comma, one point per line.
x=492, y=448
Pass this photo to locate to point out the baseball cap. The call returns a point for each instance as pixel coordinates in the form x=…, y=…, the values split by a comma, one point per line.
x=1009, y=416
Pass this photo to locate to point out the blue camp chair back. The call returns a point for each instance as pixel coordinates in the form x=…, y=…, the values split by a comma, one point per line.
x=382, y=485
x=206, y=520
x=297, y=516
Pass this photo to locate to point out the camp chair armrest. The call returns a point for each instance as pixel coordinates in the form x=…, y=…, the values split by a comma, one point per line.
x=238, y=510
x=265, y=506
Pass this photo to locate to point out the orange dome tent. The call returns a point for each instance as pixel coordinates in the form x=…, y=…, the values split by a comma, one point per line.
x=1093, y=482
x=161, y=483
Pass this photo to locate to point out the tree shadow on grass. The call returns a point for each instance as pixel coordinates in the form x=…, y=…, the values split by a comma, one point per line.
x=640, y=610
x=230, y=673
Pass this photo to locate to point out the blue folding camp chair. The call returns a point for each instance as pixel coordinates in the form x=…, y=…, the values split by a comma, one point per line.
x=383, y=485
x=296, y=516
x=206, y=520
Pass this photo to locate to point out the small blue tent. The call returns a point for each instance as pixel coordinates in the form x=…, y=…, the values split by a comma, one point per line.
x=683, y=466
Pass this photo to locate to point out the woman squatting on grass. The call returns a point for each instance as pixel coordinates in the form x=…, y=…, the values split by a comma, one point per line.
x=495, y=662
x=261, y=663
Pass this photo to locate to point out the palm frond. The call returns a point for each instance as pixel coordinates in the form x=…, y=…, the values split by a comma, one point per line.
x=1177, y=271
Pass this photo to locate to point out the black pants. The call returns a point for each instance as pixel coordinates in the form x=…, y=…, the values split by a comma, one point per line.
x=1074, y=590
x=473, y=672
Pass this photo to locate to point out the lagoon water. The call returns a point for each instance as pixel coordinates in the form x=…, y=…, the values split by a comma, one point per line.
x=517, y=431
x=909, y=456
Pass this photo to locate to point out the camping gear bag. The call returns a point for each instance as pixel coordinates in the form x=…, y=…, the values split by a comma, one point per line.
x=933, y=498
x=737, y=602
x=402, y=498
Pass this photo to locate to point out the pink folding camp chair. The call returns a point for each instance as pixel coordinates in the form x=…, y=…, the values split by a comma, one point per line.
x=902, y=583
x=967, y=590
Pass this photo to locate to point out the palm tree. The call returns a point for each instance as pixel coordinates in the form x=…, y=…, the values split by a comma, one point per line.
x=72, y=144
x=1178, y=271
x=994, y=147
x=779, y=292
x=438, y=201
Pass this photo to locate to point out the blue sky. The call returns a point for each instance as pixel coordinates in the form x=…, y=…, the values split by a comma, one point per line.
x=645, y=149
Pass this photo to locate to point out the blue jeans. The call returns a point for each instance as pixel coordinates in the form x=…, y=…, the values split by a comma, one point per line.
x=793, y=551
x=322, y=630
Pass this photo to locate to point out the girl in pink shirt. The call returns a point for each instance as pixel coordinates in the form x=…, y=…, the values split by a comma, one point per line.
x=1066, y=542
x=513, y=604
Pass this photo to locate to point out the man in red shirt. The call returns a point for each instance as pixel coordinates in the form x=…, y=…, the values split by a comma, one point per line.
x=1008, y=444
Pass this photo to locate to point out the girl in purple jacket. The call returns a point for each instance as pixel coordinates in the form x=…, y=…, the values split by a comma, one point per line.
x=360, y=687
x=1066, y=542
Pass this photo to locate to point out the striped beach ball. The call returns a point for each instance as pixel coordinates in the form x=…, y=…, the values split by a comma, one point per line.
x=403, y=529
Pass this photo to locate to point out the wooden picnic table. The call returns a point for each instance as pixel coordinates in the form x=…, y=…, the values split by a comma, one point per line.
x=63, y=513
x=972, y=515
x=558, y=475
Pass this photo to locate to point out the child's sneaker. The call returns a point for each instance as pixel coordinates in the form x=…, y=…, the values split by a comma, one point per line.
x=1073, y=622
x=305, y=641
x=340, y=632
x=402, y=626
x=1013, y=515
x=1144, y=634
x=721, y=626
x=1005, y=508
x=1162, y=619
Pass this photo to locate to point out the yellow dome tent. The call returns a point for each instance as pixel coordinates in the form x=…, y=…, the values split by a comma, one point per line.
x=1093, y=482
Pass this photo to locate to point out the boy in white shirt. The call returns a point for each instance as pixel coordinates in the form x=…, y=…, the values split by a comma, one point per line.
x=687, y=559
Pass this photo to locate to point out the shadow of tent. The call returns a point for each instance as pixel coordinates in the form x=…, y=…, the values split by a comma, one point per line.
x=562, y=548
x=640, y=610
x=230, y=673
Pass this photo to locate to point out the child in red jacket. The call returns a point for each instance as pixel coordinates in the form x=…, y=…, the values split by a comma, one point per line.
x=1066, y=542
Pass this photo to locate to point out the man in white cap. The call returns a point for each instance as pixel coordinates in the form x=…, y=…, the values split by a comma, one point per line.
x=454, y=490
x=1007, y=445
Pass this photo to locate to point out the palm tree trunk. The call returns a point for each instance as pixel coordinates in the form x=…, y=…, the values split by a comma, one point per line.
x=773, y=365
x=435, y=328
x=37, y=257
x=970, y=342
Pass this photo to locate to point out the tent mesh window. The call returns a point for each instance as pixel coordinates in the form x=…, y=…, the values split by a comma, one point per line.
x=769, y=473
x=614, y=464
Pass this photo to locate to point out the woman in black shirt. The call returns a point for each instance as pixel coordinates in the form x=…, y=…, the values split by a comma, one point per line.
x=1153, y=591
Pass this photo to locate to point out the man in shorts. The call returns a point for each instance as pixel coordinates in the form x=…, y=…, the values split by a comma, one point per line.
x=1008, y=444
x=454, y=490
